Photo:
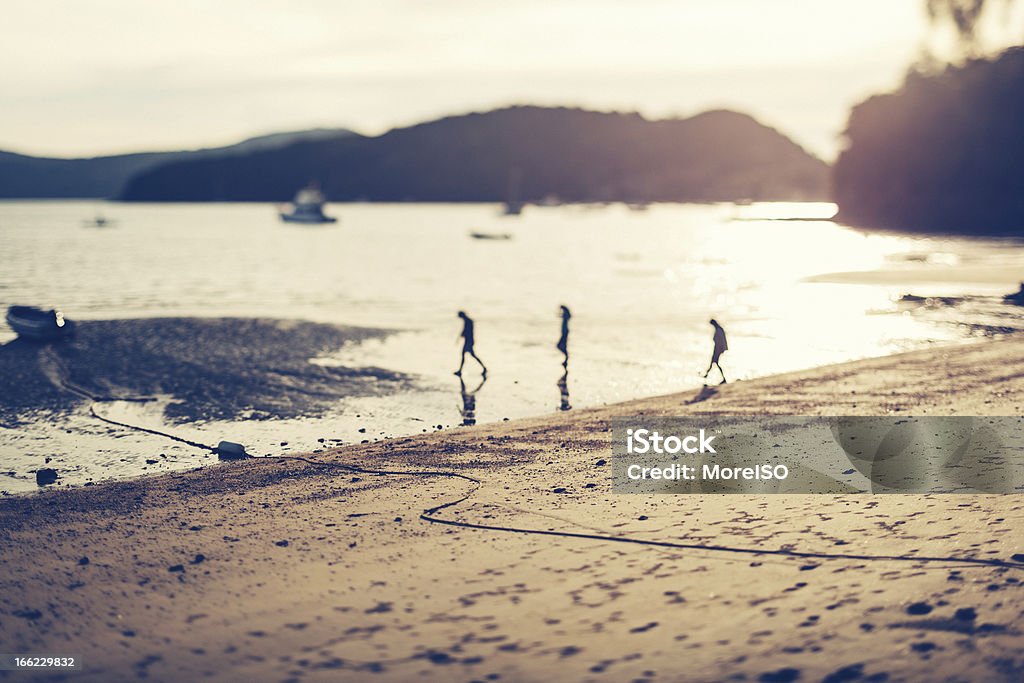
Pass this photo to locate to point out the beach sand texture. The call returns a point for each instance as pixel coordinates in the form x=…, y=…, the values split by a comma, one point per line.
x=283, y=570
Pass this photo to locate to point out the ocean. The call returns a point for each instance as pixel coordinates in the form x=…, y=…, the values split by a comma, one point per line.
x=791, y=288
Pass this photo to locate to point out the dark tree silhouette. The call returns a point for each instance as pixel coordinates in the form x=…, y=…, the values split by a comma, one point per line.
x=945, y=153
x=965, y=16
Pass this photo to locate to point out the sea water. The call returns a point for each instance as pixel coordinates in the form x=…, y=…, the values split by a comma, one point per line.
x=792, y=289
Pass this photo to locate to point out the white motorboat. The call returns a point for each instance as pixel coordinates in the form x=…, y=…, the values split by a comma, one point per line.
x=308, y=207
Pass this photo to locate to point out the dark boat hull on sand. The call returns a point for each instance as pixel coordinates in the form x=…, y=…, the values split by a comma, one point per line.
x=35, y=324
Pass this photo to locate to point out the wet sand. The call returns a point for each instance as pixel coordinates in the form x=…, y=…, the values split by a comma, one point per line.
x=212, y=369
x=284, y=570
x=200, y=379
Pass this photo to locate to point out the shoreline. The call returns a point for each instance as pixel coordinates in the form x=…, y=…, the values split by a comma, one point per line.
x=69, y=399
x=65, y=405
x=287, y=570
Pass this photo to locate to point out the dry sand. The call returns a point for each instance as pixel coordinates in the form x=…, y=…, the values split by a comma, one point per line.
x=280, y=570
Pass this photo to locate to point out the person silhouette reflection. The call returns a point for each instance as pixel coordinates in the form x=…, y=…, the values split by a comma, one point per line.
x=468, y=340
x=563, y=389
x=563, y=341
x=468, y=409
x=721, y=346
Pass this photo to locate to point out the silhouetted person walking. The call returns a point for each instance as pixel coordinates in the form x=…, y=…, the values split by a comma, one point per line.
x=563, y=341
x=721, y=346
x=467, y=344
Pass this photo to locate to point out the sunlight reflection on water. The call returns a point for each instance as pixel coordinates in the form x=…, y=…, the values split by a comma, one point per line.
x=641, y=285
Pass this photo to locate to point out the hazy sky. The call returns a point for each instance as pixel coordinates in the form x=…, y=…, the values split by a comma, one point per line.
x=99, y=76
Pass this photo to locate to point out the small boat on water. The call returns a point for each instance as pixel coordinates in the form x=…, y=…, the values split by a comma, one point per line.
x=490, y=235
x=35, y=324
x=512, y=208
x=1017, y=298
x=308, y=207
x=100, y=221
x=513, y=205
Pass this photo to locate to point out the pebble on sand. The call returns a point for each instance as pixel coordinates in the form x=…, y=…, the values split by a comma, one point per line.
x=919, y=608
x=965, y=614
x=46, y=476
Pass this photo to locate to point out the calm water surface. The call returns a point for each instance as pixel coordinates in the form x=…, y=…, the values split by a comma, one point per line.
x=641, y=286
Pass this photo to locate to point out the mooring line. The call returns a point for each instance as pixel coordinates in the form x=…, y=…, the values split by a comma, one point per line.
x=429, y=514
x=64, y=377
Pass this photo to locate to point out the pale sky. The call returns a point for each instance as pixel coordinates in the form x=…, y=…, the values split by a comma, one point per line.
x=85, y=77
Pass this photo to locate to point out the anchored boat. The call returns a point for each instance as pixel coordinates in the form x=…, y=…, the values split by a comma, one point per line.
x=308, y=207
x=1017, y=298
x=35, y=324
x=490, y=235
x=100, y=221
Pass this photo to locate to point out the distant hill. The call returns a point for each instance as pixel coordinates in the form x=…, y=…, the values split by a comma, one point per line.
x=575, y=154
x=28, y=177
x=945, y=153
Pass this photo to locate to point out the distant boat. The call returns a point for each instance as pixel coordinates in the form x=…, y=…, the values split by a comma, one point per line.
x=490, y=235
x=514, y=205
x=35, y=324
x=1017, y=298
x=308, y=207
x=100, y=221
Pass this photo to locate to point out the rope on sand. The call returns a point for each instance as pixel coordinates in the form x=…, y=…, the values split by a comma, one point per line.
x=64, y=378
x=430, y=514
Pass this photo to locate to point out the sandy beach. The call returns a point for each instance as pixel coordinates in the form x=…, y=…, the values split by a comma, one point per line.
x=382, y=342
x=526, y=567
